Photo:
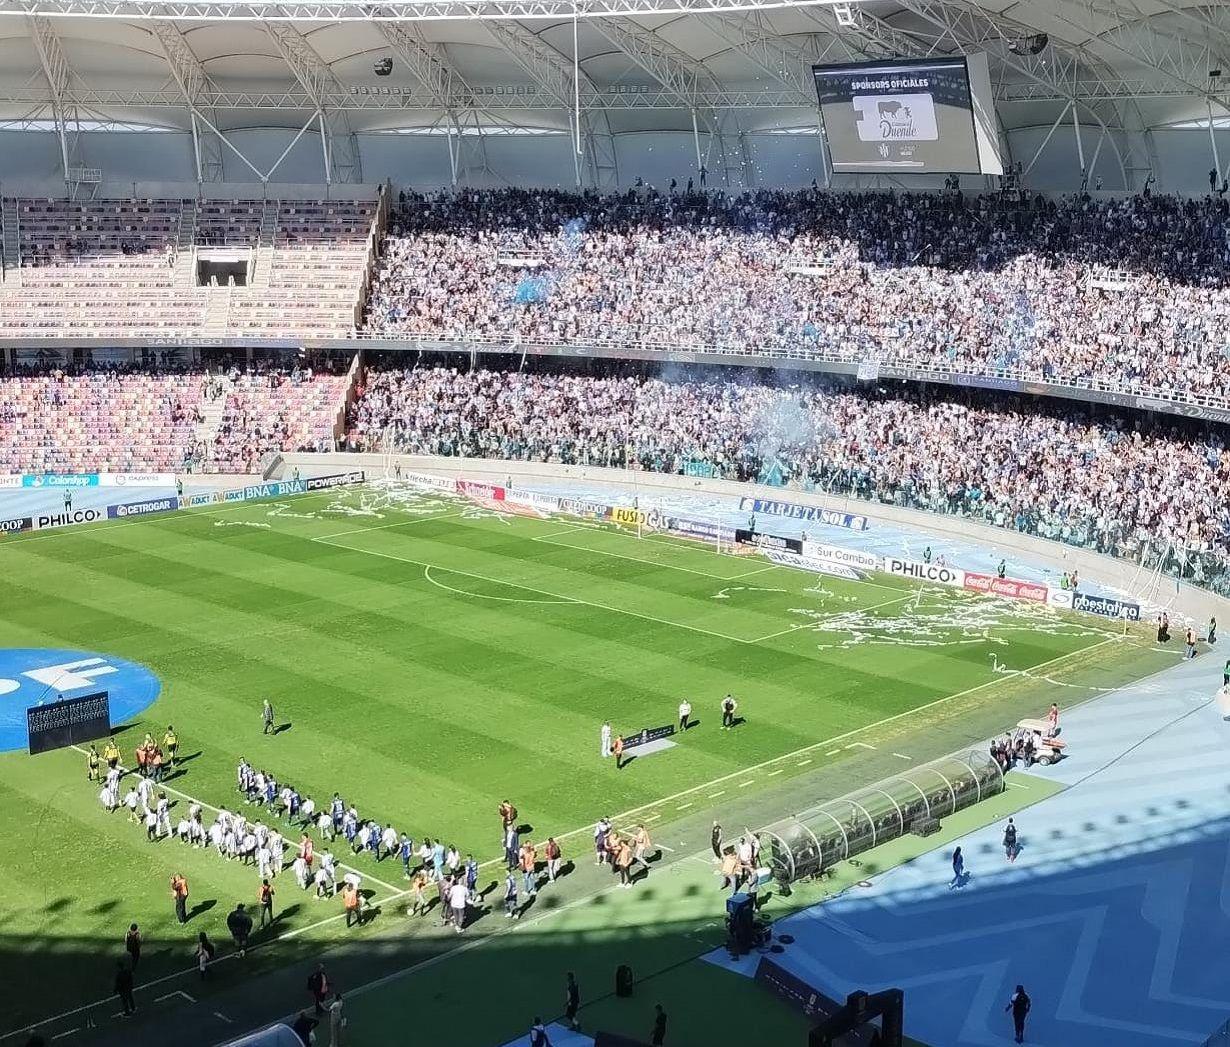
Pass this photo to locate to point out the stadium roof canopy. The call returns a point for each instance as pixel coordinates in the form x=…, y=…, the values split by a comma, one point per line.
x=519, y=65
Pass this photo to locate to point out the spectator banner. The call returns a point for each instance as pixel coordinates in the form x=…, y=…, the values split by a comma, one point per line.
x=60, y=480
x=438, y=483
x=925, y=572
x=154, y=505
x=16, y=525
x=809, y=513
x=808, y=563
x=136, y=479
x=1106, y=606
x=690, y=528
x=853, y=558
x=45, y=521
x=768, y=541
x=321, y=483
x=207, y=498
x=584, y=507
x=1013, y=588
x=480, y=490
x=648, y=734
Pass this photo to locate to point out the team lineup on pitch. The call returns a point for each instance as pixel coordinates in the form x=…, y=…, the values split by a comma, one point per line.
x=425, y=727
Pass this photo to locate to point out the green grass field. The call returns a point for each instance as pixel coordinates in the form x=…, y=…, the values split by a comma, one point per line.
x=432, y=658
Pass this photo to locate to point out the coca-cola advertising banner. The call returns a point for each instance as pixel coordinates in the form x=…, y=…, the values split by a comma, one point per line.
x=1013, y=588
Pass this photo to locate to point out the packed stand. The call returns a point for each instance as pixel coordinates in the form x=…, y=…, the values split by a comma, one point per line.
x=1136, y=487
x=98, y=420
x=1128, y=292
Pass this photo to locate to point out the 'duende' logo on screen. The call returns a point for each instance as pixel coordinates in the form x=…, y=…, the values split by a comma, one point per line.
x=896, y=118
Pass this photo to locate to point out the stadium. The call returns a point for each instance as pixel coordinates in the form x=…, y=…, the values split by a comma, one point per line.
x=618, y=522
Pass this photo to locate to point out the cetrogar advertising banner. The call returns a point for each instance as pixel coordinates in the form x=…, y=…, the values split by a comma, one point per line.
x=807, y=513
x=925, y=572
x=1106, y=606
x=153, y=505
x=1013, y=588
x=854, y=558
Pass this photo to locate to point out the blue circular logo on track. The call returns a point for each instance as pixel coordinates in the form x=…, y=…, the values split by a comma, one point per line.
x=40, y=675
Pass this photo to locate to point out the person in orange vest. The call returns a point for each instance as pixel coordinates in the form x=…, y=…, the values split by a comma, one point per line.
x=179, y=891
x=351, y=902
x=617, y=750
x=142, y=755
x=264, y=896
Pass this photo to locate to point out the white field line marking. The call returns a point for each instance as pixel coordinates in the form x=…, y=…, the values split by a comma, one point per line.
x=750, y=781
x=219, y=1014
x=683, y=806
x=859, y=745
x=639, y=559
x=901, y=756
x=816, y=625
x=540, y=592
x=804, y=763
x=748, y=574
x=833, y=753
x=720, y=792
x=175, y=992
x=566, y=530
x=395, y=523
x=210, y=807
x=772, y=773
x=68, y=1032
x=484, y=596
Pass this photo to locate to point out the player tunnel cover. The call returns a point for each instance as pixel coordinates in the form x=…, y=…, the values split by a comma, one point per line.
x=30, y=675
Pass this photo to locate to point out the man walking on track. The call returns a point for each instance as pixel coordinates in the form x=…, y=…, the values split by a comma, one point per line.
x=606, y=739
x=132, y=945
x=318, y=986
x=1019, y=1004
x=267, y=716
x=715, y=841
x=179, y=891
x=617, y=750
x=123, y=987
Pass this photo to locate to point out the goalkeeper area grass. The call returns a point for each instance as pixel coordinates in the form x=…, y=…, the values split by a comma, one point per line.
x=427, y=659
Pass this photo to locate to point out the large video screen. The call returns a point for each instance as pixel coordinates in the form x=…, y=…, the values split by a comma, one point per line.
x=901, y=115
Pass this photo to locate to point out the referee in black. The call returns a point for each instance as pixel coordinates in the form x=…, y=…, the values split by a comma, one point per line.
x=572, y=1001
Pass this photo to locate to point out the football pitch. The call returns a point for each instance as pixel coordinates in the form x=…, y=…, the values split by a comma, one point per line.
x=427, y=658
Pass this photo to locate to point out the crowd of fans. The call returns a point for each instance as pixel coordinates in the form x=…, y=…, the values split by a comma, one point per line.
x=1129, y=292
x=1145, y=488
